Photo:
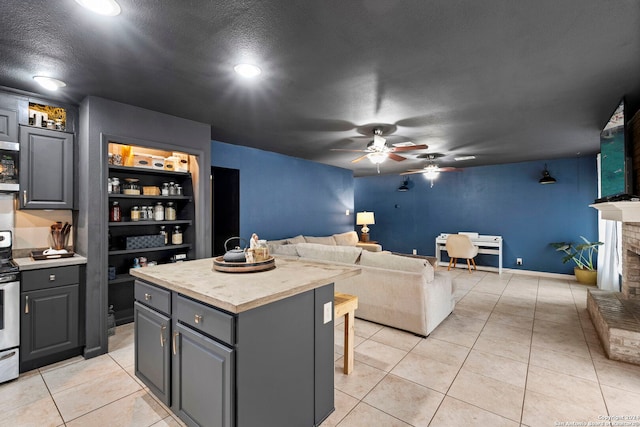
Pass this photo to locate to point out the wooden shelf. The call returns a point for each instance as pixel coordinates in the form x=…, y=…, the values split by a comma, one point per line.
x=143, y=250
x=150, y=222
x=147, y=197
x=148, y=171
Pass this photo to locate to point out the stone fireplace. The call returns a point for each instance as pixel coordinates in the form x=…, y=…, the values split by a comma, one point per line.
x=616, y=315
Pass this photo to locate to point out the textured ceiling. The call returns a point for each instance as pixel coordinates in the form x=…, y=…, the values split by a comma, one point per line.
x=503, y=80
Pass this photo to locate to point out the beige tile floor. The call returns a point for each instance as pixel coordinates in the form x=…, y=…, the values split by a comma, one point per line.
x=517, y=351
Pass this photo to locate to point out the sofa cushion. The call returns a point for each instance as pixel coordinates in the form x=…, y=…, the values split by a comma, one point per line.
x=325, y=240
x=297, y=239
x=274, y=244
x=396, y=262
x=289, y=250
x=350, y=238
x=345, y=254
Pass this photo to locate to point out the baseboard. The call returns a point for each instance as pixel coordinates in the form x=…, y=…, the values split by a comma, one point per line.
x=561, y=276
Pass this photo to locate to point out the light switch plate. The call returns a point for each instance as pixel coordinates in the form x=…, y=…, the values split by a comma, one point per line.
x=328, y=312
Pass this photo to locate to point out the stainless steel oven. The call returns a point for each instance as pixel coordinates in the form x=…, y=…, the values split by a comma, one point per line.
x=9, y=311
x=9, y=156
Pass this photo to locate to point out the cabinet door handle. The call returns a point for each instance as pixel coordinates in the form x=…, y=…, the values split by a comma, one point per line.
x=147, y=297
x=52, y=277
x=24, y=198
x=198, y=318
x=26, y=304
x=162, y=340
x=174, y=344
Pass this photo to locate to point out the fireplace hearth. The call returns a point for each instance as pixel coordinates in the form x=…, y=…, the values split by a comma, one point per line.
x=616, y=315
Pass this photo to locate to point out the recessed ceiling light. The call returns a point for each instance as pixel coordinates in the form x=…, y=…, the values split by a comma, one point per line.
x=247, y=70
x=49, y=83
x=464, y=158
x=101, y=7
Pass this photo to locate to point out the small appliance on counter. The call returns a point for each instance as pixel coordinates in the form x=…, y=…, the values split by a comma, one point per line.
x=9, y=311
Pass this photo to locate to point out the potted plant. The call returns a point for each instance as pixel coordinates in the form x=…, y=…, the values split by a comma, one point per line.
x=582, y=255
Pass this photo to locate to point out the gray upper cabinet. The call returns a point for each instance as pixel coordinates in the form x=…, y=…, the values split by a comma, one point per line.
x=8, y=125
x=46, y=169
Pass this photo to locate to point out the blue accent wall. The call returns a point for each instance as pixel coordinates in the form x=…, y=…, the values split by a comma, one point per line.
x=282, y=196
x=504, y=200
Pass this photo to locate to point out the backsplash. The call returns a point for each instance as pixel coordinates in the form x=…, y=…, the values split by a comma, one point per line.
x=31, y=228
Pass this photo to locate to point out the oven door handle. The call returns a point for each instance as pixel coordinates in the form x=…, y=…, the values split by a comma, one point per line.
x=8, y=278
x=7, y=356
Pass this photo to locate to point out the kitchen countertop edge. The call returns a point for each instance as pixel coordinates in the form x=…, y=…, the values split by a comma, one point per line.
x=227, y=300
x=29, y=263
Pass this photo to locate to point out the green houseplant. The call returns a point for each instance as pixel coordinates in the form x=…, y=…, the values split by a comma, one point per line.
x=582, y=255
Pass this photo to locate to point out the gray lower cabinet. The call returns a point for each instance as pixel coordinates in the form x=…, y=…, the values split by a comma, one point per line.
x=46, y=169
x=153, y=345
x=271, y=366
x=50, y=322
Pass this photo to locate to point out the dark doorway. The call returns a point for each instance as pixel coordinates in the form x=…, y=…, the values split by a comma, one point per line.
x=226, y=207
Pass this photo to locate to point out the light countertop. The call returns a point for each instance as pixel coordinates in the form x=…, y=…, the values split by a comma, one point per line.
x=238, y=292
x=29, y=263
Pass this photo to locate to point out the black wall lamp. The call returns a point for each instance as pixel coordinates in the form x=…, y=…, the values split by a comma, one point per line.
x=404, y=186
x=546, y=177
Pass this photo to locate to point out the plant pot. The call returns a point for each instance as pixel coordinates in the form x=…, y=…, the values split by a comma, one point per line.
x=586, y=277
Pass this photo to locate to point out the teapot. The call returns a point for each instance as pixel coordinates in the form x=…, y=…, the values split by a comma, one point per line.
x=236, y=254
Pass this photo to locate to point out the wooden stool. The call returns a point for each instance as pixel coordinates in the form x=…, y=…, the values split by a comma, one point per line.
x=346, y=305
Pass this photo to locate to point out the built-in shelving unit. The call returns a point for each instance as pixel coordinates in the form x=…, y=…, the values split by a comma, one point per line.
x=121, y=290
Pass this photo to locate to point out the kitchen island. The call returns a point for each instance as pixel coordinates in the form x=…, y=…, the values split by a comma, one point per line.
x=238, y=349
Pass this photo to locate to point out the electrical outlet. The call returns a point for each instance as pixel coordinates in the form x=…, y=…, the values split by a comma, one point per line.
x=518, y=261
x=415, y=252
x=328, y=312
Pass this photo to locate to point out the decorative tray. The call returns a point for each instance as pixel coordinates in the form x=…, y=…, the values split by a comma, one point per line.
x=39, y=255
x=219, y=264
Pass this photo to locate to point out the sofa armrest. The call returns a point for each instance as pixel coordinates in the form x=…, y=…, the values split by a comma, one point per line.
x=371, y=247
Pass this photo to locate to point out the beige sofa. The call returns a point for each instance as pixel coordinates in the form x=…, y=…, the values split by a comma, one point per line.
x=393, y=290
x=350, y=238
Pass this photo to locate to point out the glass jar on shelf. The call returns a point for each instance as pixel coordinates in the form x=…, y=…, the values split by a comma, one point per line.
x=135, y=213
x=176, y=237
x=165, y=189
x=115, y=214
x=163, y=232
x=179, y=190
x=172, y=188
x=115, y=185
x=131, y=187
x=158, y=212
x=170, y=211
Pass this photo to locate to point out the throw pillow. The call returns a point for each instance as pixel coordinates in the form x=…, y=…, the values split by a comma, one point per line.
x=344, y=254
x=350, y=238
x=325, y=240
x=298, y=239
x=289, y=250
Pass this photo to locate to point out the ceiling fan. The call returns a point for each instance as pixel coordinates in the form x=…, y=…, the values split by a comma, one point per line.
x=378, y=150
x=431, y=170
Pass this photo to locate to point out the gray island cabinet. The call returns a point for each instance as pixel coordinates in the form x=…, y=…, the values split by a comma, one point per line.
x=238, y=350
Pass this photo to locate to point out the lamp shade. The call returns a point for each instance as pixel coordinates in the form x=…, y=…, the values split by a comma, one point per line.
x=546, y=177
x=365, y=218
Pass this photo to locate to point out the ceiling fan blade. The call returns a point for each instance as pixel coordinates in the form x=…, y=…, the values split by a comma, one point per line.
x=410, y=172
x=359, y=158
x=410, y=147
x=351, y=151
x=449, y=169
x=396, y=157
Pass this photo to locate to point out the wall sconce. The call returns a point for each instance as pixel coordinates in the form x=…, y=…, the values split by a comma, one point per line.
x=404, y=186
x=546, y=177
x=365, y=218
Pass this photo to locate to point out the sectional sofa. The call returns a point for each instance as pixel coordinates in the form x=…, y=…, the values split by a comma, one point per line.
x=402, y=292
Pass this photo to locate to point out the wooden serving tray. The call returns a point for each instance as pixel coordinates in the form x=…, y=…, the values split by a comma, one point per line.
x=39, y=256
x=219, y=264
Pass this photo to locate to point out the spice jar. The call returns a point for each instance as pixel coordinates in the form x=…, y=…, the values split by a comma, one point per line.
x=172, y=189
x=170, y=212
x=115, y=185
x=176, y=237
x=163, y=232
x=165, y=189
x=115, y=214
x=178, y=190
x=158, y=212
x=135, y=213
x=109, y=186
